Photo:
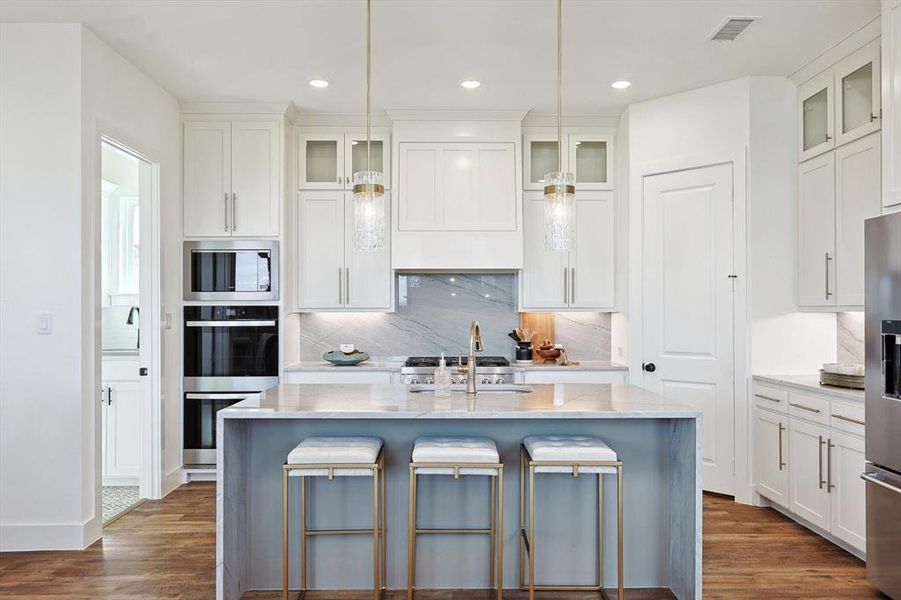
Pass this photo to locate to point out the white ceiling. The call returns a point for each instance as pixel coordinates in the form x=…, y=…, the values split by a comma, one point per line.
x=267, y=50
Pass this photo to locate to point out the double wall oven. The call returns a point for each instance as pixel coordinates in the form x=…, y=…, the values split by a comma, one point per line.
x=230, y=352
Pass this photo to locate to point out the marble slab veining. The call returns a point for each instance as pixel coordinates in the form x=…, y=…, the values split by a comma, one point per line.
x=849, y=337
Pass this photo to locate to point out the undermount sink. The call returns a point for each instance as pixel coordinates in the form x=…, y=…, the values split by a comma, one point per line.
x=495, y=388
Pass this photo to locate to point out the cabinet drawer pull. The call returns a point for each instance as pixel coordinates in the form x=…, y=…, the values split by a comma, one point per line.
x=226, y=211
x=234, y=212
x=829, y=484
x=781, y=462
x=776, y=400
x=802, y=407
x=820, y=461
x=828, y=258
x=848, y=419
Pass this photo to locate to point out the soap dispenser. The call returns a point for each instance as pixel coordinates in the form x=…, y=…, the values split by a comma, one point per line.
x=442, y=379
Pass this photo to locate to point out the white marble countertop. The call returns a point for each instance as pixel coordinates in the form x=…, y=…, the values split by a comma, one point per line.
x=395, y=366
x=363, y=401
x=812, y=383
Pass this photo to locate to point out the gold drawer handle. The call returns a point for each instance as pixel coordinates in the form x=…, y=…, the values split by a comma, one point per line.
x=802, y=407
x=848, y=419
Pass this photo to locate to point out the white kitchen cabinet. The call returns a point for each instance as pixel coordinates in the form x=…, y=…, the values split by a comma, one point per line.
x=857, y=197
x=539, y=159
x=816, y=231
x=816, y=105
x=771, y=455
x=857, y=98
x=327, y=160
x=591, y=160
x=231, y=178
x=332, y=274
x=808, y=494
x=846, y=461
x=121, y=422
x=579, y=280
x=891, y=103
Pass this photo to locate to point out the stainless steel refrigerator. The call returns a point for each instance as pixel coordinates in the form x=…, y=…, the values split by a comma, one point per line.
x=883, y=402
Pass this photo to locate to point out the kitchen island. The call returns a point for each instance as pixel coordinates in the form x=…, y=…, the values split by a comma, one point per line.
x=658, y=441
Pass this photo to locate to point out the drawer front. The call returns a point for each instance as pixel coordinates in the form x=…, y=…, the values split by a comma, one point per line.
x=806, y=406
x=849, y=417
x=770, y=398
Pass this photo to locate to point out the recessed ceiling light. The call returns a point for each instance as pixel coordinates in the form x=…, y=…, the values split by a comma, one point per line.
x=319, y=83
x=470, y=84
x=620, y=85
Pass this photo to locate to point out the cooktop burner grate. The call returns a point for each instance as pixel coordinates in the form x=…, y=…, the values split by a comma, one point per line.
x=432, y=361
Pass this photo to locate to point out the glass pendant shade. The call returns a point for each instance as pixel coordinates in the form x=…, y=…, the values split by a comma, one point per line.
x=369, y=211
x=559, y=211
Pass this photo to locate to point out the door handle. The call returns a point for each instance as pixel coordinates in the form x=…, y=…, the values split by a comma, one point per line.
x=781, y=462
x=649, y=367
x=226, y=211
x=828, y=258
x=234, y=211
x=820, y=461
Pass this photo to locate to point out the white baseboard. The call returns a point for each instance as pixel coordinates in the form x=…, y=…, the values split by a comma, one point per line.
x=24, y=537
x=171, y=480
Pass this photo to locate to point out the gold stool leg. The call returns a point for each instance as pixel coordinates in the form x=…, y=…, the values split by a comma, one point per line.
x=376, y=542
x=499, y=535
x=382, y=505
x=491, y=525
x=619, y=532
x=303, y=534
x=601, y=532
x=411, y=535
x=531, y=532
x=284, y=534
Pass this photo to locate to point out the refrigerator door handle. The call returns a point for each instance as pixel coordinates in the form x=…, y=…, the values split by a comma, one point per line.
x=873, y=478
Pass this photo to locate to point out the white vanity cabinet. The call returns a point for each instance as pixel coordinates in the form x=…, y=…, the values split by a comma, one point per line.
x=579, y=280
x=808, y=457
x=327, y=159
x=120, y=402
x=232, y=172
x=331, y=273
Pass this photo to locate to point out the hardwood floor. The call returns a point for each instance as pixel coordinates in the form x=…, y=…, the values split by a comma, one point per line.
x=166, y=549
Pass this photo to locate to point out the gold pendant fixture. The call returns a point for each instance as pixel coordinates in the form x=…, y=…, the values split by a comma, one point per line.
x=369, y=189
x=559, y=186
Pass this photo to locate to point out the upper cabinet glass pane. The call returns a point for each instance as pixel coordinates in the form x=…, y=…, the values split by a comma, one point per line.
x=857, y=98
x=321, y=161
x=591, y=162
x=358, y=156
x=543, y=157
x=815, y=119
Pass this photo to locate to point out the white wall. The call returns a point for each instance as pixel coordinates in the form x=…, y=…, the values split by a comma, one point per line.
x=60, y=88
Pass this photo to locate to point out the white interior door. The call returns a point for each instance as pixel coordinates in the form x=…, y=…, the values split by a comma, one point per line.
x=688, y=304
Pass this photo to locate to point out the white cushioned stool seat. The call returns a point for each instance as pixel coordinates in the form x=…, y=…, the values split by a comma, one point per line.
x=346, y=450
x=569, y=448
x=455, y=450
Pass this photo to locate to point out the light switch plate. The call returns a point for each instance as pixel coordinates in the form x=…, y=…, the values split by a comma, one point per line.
x=44, y=324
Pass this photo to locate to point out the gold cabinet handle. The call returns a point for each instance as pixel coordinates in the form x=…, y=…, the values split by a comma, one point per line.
x=802, y=407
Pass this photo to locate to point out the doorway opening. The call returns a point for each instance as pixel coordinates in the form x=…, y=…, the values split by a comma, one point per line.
x=125, y=194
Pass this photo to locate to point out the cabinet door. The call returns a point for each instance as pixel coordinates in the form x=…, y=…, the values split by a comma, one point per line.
x=591, y=160
x=592, y=264
x=539, y=159
x=255, y=178
x=320, y=248
x=846, y=462
x=857, y=197
x=816, y=231
x=817, y=122
x=123, y=433
x=891, y=103
x=207, y=179
x=367, y=274
x=320, y=161
x=857, y=99
x=545, y=274
x=770, y=456
x=808, y=497
x=355, y=153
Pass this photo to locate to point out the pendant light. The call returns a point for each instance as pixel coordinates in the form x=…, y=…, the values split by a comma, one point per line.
x=368, y=188
x=559, y=186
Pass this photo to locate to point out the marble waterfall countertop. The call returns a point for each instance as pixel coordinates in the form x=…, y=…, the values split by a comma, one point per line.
x=812, y=383
x=394, y=365
x=396, y=401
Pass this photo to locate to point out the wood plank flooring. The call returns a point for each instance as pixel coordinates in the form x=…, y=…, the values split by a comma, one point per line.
x=166, y=549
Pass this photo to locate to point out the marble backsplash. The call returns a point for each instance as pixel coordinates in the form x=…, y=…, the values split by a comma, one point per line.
x=433, y=316
x=849, y=338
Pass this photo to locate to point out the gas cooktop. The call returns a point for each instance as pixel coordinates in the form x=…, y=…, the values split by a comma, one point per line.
x=432, y=361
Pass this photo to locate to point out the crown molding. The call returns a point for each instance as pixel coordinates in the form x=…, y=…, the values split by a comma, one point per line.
x=550, y=120
x=325, y=119
x=450, y=114
x=257, y=108
x=830, y=56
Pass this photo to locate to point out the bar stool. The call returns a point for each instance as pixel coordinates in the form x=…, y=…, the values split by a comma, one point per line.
x=336, y=457
x=459, y=456
x=574, y=455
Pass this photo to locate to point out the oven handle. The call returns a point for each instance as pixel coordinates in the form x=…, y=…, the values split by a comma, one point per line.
x=871, y=478
x=190, y=396
x=230, y=323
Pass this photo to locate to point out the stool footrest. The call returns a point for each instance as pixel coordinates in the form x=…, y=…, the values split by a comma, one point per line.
x=314, y=532
x=482, y=531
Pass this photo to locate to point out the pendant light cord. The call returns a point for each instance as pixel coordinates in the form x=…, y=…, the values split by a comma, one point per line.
x=368, y=68
x=559, y=85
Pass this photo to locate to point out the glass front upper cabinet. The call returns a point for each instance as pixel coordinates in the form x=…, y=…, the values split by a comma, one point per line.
x=540, y=159
x=355, y=150
x=591, y=159
x=320, y=161
x=815, y=98
x=858, y=99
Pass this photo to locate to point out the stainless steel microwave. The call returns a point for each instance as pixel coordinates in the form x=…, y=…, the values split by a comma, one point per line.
x=227, y=270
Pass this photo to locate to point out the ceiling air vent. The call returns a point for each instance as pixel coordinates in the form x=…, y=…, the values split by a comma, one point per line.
x=731, y=29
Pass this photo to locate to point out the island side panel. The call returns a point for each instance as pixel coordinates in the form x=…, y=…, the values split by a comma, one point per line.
x=685, y=505
x=565, y=506
x=231, y=508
